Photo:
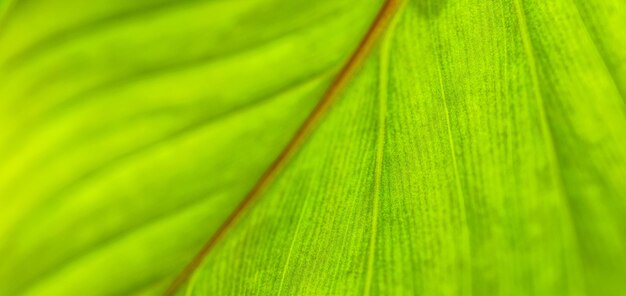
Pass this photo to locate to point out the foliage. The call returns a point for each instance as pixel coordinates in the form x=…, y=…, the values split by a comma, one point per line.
x=478, y=148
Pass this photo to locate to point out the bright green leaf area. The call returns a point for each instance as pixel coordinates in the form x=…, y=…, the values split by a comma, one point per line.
x=129, y=130
x=480, y=149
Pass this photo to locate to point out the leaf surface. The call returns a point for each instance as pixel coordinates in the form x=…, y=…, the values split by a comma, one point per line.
x=480, y=148
x=129, y=130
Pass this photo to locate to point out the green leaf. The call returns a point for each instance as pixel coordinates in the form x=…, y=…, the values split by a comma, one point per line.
x=480, y=150
x=466, y=147
x=129, y=130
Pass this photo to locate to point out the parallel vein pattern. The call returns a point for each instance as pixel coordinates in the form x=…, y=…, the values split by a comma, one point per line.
x=477, y=150
x=480, y=169
x=130, y=130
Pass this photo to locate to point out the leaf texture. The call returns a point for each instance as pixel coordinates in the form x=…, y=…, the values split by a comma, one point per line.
x=480, y=148
x=131, y=129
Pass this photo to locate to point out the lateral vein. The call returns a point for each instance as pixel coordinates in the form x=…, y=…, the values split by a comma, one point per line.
x=383, y=90
x=577, y=280
x=467, y=252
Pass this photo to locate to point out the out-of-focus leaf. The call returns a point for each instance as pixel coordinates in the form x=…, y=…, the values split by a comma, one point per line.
x=129, y=130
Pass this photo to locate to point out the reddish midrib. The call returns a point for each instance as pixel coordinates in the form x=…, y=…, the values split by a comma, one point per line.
x=297, y=140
